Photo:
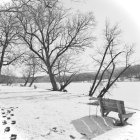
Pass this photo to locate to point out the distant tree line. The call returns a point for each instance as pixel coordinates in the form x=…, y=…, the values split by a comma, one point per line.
x=132, y=72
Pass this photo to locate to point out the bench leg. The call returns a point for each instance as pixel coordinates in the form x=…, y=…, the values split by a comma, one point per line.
x=102, y=112
x=106, y=113
x=125, y=119
x=121, y=119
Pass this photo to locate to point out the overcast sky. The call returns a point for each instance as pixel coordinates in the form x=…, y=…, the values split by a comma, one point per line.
x=124, y=12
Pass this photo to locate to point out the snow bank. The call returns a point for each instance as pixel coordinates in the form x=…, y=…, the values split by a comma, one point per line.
x=46, y=115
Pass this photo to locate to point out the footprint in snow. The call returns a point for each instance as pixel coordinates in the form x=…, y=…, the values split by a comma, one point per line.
x=13, y=122
x=72, y=137
x=7, y=129
x=13, y=137
x=4, y=122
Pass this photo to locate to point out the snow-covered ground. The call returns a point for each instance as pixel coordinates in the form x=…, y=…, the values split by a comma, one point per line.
x=41, y=114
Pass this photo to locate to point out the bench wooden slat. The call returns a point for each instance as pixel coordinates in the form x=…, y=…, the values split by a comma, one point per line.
x=108, y=105
x=111, y=109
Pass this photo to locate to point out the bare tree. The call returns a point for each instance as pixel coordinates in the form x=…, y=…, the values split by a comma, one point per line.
x=8, y=39
x=65, y=70
x=34, y=67
x=31, y=68
x=26, y=75
x=113, y=56
x=49, y=32
x=9, y=76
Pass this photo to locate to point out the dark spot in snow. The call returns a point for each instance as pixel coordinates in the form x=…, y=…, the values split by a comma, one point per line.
x=13, y=137
x=7, y=129
x=8, y=111
x=37, y=118
x=83, y=134
x=8, y=118
x=4, y=122
x=54, y=128
x=13, y=122
x=72, y=137
x=48, y=133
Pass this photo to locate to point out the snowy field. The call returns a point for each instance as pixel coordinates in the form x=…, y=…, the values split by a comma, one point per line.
x=40, y=114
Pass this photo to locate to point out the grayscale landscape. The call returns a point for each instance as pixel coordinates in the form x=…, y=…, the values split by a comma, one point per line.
x=69, y=69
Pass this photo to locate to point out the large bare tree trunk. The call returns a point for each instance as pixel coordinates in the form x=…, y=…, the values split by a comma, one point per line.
x=27, y=80
x=52, y=80
x=0, y=69
x=25, y=83
x=32, y=81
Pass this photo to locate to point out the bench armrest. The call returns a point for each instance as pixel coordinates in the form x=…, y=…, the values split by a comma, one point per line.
x=128, y=115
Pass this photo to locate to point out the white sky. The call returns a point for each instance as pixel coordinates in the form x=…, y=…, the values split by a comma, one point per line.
x=124, y=12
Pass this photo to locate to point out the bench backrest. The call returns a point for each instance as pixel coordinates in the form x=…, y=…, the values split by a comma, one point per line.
x=112, y=105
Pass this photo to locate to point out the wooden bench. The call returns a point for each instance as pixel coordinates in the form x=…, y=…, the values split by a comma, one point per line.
x=108, y=105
